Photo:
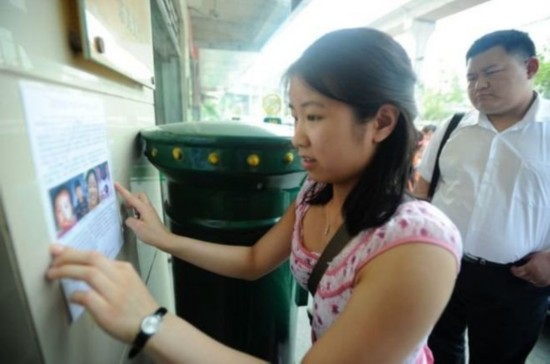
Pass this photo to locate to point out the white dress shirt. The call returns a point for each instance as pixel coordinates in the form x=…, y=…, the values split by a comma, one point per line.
x=495, y=186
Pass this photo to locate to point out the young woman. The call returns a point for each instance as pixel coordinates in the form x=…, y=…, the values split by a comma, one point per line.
x=352, y=96
x=93, y=190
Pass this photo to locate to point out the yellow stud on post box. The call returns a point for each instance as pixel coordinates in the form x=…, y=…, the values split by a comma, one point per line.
x=213, y=158
x=154, y=152
x=288, y=158
x=253, y=160
x=177, y=153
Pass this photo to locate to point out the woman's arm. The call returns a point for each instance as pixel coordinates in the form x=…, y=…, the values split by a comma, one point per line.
x=395, y=303
x=244, y=262
x=118, y=301
x=180, y=342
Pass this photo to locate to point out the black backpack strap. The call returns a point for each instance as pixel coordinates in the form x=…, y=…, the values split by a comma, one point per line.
x=334, y=246
x=435, y=175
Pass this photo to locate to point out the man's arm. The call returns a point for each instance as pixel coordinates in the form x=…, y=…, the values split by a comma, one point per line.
x=421, y=188
x=536, y=270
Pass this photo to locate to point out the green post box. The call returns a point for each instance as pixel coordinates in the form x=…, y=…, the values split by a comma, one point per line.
x=229, y=182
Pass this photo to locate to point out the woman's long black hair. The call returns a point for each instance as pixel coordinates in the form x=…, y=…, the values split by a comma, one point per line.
x=366, y=69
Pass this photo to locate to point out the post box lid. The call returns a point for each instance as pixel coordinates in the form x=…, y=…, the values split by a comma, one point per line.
x=222, y=147
x=219, y=133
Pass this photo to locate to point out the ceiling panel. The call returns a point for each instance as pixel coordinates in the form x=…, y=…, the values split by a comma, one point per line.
x=228, y=34
x=237, y=25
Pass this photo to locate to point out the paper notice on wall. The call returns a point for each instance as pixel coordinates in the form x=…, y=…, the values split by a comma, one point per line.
x=68, y=134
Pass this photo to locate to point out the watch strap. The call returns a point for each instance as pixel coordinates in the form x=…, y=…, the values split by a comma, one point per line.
x=142, y=337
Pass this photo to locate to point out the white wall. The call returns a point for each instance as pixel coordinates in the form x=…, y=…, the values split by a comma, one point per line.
x=34, y=46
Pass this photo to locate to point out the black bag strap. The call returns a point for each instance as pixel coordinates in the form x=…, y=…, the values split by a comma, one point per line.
x=435, y=176
x=334, y=246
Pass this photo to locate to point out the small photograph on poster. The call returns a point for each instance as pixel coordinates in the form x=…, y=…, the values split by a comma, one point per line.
x=81, y=198
x=105, y=184
x=63, y=209
x=92, y=188
x=75, y=198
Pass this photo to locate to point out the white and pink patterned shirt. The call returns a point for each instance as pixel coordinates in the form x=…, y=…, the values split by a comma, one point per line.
x=414, y=221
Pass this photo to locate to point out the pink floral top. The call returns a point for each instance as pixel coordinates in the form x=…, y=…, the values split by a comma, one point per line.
x=412, y=222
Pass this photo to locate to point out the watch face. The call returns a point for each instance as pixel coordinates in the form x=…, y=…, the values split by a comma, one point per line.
x=151, y=324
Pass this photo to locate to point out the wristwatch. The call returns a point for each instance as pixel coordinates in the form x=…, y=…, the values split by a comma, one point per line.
x=149, y=327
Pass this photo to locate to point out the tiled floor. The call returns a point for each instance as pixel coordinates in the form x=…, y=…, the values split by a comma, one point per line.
x=540, y=355
x=303, y=335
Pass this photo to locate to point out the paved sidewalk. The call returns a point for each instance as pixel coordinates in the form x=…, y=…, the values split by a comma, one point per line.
x=303, y=335
x=540, y=355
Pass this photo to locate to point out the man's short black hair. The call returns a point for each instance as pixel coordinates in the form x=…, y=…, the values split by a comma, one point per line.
x=429, y=128
x=513, y=41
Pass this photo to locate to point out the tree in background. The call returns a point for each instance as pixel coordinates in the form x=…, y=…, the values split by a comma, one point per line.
x=542, y=79
x=438, y=104
x=210, y=109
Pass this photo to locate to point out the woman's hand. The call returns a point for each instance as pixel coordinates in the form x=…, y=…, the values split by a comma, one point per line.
x=118, y=300
x=146, y=224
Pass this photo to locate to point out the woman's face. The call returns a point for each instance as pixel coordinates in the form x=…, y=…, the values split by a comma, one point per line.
x=93, y=193
x=333, y=146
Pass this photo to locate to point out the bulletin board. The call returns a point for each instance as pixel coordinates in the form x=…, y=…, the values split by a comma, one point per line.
x=117, y=34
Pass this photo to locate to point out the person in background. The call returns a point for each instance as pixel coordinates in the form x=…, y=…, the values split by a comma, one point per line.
x=424, y=137
x=495, y=186
x=427, y=132
x=418, y=151
x=352, y=98
x=81, y=206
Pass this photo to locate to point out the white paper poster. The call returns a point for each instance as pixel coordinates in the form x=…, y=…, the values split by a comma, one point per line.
x=68, y=135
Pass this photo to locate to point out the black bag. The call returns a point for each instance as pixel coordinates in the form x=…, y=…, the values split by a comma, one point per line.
x=435, y=176
x=338, y=241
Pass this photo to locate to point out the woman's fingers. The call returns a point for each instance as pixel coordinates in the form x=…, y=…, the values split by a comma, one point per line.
x=145, y=223
x=120, y=189
x=116, y=317
x=129, y=196
x=91, y=267
x=98, y=307
x=143, y=198
x=117, y=299
x=139, y=202
x=66, y=255
x=94, y=277
x=131, y=200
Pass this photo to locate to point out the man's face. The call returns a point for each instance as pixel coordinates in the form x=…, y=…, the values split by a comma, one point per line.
x=498, y=82
x=79, y=193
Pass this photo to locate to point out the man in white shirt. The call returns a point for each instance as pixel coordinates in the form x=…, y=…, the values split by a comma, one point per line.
x=495, y=186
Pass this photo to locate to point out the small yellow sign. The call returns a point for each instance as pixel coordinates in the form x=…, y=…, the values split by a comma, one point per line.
x=272, y=104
